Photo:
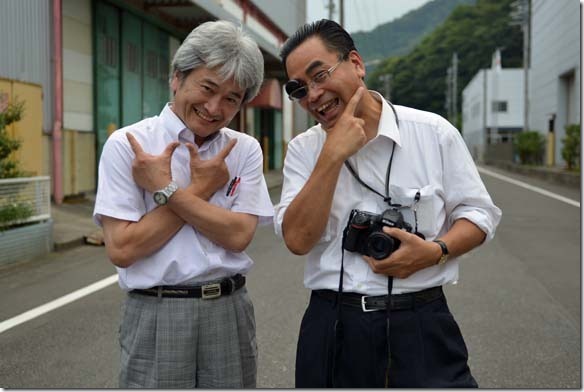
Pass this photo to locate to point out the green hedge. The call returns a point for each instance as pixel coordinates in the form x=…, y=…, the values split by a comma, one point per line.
x=529, y=145
x=571, y=147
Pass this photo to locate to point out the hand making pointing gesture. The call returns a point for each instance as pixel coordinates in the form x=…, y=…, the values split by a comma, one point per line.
x=347, y=136
x=153, y=172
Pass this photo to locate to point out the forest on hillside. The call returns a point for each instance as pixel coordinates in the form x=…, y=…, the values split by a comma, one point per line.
x=474, y=32
x=399, y=36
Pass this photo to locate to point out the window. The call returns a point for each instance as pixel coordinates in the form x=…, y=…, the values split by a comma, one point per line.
x=151, y=64
x=499, y=106
x=132, y=53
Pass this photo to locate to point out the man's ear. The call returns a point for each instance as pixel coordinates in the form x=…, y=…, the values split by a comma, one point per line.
x=358, y=63
x=174, y=83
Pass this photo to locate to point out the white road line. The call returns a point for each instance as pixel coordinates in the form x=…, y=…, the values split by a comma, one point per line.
x=64, y=300
x=529, y=187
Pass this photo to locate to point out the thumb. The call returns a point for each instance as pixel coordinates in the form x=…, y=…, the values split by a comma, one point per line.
x=397, y=233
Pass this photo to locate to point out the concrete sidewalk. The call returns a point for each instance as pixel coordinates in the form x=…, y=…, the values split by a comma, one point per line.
x=73, y=224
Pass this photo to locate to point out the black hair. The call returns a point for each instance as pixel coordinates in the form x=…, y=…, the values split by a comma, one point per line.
x=334, y=37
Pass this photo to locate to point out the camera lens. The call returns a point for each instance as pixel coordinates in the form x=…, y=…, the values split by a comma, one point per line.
x=380, y=245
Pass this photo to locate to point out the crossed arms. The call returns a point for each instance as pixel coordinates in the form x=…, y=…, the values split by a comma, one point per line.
x=127, y=241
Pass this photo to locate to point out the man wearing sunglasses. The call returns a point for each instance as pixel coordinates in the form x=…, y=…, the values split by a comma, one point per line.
x=375, y=321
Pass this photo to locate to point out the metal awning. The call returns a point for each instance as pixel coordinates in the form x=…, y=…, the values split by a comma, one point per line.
x=185, y=15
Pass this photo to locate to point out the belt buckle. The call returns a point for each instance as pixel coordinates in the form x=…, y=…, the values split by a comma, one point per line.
x=210, y=291
x=363, y=307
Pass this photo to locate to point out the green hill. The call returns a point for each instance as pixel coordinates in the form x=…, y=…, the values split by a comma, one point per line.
x=473, y=32
x=399, y=36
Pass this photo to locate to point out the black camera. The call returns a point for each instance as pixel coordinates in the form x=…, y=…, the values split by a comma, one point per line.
x=364, y=233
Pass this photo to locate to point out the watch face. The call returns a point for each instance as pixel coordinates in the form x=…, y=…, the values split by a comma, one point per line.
x=160, y=198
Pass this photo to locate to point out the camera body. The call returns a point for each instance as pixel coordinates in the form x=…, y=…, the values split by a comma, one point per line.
x=364, y=232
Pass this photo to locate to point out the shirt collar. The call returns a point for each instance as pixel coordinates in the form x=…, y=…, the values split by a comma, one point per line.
x=387, y=122
x=171, y=122
x=177, y=129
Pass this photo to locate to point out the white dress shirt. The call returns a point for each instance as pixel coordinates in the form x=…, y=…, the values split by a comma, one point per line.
x=188, y=256
x=430, y=157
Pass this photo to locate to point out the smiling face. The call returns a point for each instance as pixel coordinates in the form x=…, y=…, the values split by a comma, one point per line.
x=325, y=101
x=204, y=102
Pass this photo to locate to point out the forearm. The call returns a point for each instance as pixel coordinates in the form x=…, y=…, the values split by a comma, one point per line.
x=230, y=230
x=307, y=215
x=128, y=242
x=462, y=237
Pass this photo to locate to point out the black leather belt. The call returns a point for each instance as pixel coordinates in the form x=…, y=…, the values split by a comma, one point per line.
x=207, y=291
x=369, y=303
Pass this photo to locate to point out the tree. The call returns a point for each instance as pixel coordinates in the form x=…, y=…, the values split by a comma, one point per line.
x=9, y=113
x=474, y=33
x=571, y=148
x=530, y=147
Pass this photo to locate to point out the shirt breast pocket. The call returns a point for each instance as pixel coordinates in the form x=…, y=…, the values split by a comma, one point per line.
x=418, y=207
x=221, y=200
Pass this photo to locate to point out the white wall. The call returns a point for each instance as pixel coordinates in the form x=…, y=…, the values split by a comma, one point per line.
x=473, y=115
x=554, y=80
x=77, y=65
x=504, y=85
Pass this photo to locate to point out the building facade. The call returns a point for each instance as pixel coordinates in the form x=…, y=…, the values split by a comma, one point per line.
x=555, y=76
x=93, y=66
x=492, y=111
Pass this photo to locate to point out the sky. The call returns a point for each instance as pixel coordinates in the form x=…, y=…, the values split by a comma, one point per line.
x=362, y=15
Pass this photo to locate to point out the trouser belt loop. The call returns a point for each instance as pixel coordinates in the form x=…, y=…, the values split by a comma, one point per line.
x=232, y=285
x=159, y=292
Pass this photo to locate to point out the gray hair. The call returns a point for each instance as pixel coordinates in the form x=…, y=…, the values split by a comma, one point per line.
x=222, y=45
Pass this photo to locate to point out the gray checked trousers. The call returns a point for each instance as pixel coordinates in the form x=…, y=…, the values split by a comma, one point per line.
x=169, y=343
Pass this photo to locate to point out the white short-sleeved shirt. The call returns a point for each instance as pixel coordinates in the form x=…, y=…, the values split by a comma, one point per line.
x=189, y=256
x=430, y=157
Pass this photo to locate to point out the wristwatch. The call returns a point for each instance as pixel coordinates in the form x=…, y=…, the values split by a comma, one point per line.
x=444, y=248
x=161, y=196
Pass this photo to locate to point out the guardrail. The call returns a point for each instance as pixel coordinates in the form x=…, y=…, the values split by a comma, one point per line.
x=24, y=200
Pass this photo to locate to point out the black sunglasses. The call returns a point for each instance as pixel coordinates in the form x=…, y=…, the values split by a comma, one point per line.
x=297, y=90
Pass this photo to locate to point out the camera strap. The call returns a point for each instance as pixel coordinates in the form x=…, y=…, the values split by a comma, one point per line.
x=338, y=326
x=386, y=198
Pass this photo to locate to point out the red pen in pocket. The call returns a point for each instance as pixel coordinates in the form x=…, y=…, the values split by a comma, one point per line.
x=230, y=187
x=235, y=186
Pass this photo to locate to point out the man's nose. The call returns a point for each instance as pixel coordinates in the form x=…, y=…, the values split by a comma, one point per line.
x=314, y=92
x=213, y=105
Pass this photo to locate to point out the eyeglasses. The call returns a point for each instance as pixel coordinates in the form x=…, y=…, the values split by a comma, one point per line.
x=296, y=90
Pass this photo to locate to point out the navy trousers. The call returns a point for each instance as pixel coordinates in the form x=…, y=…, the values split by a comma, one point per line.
x=427, y=348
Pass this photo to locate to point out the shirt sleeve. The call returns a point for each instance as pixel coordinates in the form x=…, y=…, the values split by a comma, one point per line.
x=296, y=172
x=465, y=193
x=117, y=195
x=252, y=194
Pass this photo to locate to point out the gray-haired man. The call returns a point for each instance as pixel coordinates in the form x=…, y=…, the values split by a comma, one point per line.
x=179, y=198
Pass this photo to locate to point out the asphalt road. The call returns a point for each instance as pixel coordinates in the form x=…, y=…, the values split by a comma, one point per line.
x=518, y=303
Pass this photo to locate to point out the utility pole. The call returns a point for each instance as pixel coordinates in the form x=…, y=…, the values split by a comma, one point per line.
x=521, y=16
x=342, y=13
x=526, y=50
x=331, y=9
x=386, y=80
x=451, y=103
x=454, y=87
x=448, y=102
